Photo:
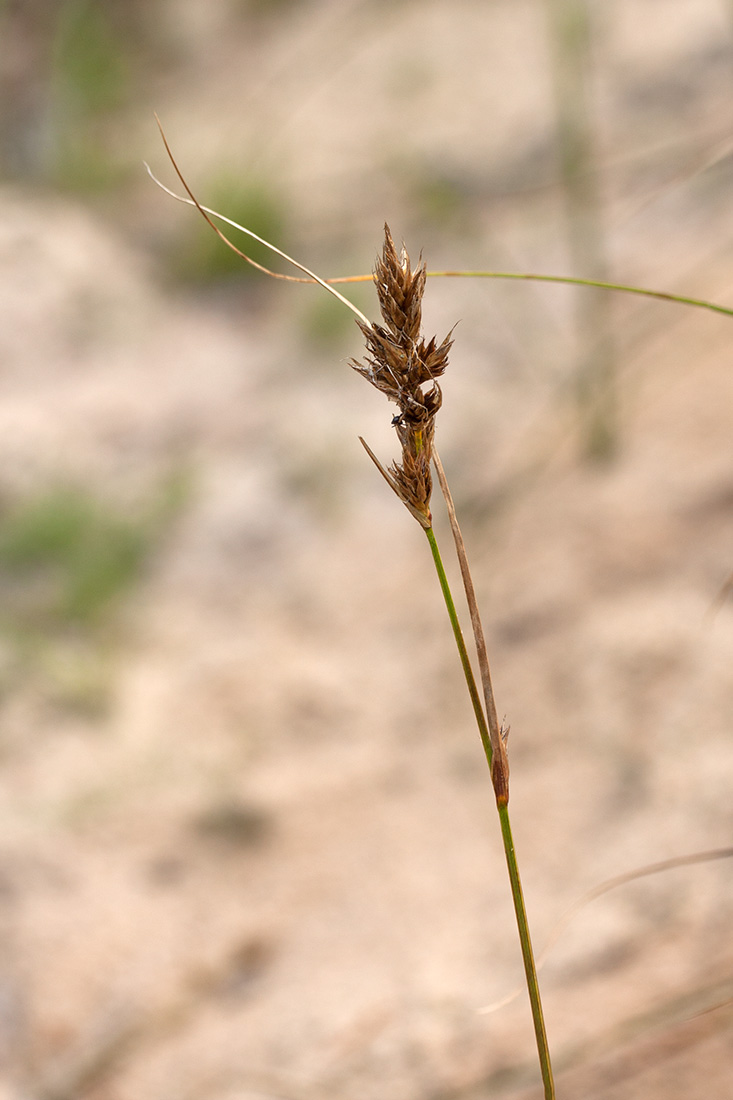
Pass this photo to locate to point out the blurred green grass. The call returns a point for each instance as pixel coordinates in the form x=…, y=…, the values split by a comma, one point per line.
x=91, y=79
x=199, y=257
x=70, y=562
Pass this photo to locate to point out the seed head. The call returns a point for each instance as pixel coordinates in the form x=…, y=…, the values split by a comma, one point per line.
x=401, y=364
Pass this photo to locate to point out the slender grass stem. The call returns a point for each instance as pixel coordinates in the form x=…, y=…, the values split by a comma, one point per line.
x=499, y=762
x=565, y=280
x=520, y=910
x=662, y=295
x=530, y=968
x=461, y=646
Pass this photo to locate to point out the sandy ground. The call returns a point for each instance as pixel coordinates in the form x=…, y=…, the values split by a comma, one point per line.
x=271, y=867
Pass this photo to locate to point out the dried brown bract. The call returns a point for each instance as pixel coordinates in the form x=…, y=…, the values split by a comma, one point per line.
x=405, y=367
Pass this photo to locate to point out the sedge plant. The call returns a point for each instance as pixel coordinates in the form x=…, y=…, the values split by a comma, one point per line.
x=406, y=367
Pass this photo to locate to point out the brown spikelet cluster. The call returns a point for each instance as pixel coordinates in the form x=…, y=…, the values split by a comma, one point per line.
x=404, y=366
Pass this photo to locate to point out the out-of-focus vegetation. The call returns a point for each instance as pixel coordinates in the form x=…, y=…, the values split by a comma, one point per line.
x=68, y=562
x=200, y=256
x=90, y=79
x=69, y=70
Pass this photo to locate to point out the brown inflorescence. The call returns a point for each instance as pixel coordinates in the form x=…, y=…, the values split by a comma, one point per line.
x=404, y=366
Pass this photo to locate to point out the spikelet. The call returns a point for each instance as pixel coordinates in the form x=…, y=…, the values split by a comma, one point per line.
x=404, y=367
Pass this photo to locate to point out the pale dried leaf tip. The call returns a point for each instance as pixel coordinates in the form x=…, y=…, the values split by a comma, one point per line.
x=207, y=213
x=404, y=366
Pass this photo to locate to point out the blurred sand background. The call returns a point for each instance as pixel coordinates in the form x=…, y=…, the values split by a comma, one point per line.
x=247, y=844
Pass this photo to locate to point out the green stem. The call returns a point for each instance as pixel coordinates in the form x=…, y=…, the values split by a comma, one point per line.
x=461, y=645
x=530, y=969
x=520, y=910
x=664, y=296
